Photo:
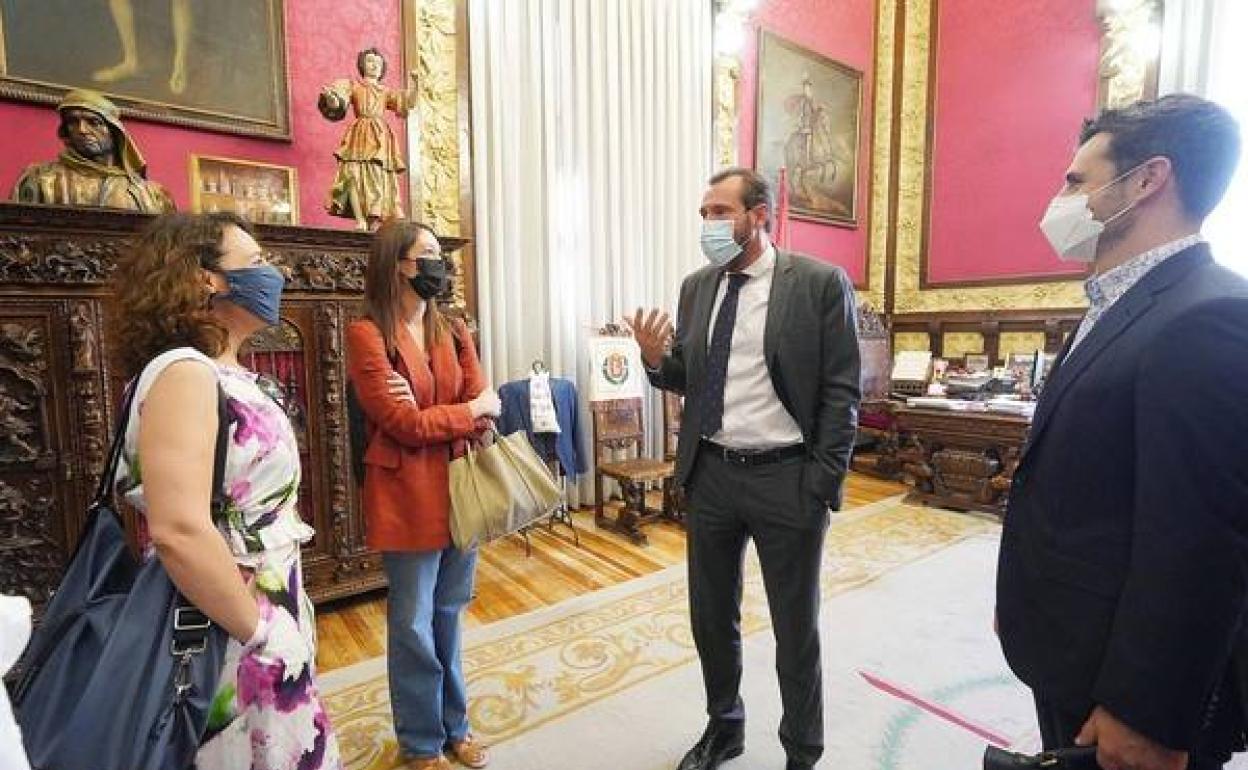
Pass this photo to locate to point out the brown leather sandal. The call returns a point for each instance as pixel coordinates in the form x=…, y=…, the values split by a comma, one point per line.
x=468, y=752
x=429, y=763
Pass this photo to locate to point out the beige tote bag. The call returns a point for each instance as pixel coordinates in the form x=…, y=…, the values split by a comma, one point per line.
x=497, y=489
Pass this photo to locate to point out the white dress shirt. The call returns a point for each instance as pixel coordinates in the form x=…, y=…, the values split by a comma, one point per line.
x=754, y=417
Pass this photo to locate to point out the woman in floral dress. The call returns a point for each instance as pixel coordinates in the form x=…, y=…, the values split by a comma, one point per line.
x=189, y=293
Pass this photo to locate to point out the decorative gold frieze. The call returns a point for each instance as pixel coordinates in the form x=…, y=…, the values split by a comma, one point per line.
x=1020, y=342
x=881, y=145
x=958, y=344
x=1130, y=51
x=433, y=129
x=727, y=110
x=912, y=341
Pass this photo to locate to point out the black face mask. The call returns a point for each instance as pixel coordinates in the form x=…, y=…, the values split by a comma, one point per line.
x=431, y=281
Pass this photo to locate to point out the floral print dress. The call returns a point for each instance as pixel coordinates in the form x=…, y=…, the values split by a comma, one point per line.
x=267, y=713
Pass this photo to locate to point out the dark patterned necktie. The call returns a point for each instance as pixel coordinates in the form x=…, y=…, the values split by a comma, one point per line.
x=717, y=357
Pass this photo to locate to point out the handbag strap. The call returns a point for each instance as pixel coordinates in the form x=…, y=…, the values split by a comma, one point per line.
x=108, y=477
x=219, y=453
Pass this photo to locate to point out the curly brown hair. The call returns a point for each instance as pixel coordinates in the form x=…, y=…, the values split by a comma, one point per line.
x=159, y=301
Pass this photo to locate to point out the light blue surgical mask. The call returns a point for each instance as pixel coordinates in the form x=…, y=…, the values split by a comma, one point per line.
x=719, y=243
x=258, y=290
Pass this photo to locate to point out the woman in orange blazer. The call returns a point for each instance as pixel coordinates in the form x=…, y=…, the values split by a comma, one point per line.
x=419, y=383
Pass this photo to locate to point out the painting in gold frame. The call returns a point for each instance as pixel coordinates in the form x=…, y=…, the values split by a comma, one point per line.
x=210, y=64
x=264, y=193
x=808, y=122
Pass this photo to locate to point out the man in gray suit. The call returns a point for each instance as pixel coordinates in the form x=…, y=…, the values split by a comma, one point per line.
x=766, y=354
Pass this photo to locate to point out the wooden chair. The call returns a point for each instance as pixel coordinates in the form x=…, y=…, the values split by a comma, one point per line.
x=878, y=433
x=619, y=429
x=673, y=411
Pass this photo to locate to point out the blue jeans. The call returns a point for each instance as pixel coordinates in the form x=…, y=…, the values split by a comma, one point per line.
x=428, y=592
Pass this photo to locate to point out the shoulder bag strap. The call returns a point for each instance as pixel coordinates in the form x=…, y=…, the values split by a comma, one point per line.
x=108, y=477
x=219, y=455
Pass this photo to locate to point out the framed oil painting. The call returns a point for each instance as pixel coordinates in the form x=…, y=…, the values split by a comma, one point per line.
x=259, y=192
x=211, y=64
x=809, y=122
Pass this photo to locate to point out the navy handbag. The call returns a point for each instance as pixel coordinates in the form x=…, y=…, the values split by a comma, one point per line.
x=121, y=673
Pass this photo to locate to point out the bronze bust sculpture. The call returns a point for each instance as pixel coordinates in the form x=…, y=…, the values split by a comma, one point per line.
x=99, y=167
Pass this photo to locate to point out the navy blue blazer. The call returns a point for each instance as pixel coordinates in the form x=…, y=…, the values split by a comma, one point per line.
x=566, y=445
x=1123, y=573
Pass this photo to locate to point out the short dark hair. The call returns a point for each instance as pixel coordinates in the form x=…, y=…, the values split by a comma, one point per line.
x=755, y=189
x=1200, y=138
x=359, y=60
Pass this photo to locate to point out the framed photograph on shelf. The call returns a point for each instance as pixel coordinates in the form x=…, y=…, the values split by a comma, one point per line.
x=808, y=122
x=219, y=66
x=259, y=192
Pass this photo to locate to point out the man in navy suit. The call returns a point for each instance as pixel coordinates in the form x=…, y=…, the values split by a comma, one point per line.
x=1123, y=574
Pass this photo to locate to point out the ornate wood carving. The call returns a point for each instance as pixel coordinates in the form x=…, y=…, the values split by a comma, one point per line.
x=80, y=247
x=88, y=396
x=43, y=259
x=961, y=460
x=25, y=428
x=30, y=555
x=329, y=326
x=325, y=271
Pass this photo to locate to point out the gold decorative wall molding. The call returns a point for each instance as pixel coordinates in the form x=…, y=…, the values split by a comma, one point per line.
x=886, y=12
x=1021, y=342
x=912, y=341
x=727, y=109
x=435, y=45
x=731, y=20
x=958, y=344
x=1130, y=51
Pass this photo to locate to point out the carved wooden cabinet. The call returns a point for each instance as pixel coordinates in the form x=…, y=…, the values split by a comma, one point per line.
x=58, y=390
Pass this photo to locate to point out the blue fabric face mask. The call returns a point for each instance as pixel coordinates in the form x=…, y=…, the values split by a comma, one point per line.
x=258, y=290
x=719, y=244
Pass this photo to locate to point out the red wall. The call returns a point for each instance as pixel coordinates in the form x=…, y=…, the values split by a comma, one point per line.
x=322, y=39
x=844, y=31
x=1013, y=82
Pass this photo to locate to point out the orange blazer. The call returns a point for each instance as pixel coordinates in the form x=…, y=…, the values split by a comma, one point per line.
x=406, y=493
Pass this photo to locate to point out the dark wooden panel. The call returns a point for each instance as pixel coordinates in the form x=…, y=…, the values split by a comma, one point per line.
x=58, y=392
x=37, y=469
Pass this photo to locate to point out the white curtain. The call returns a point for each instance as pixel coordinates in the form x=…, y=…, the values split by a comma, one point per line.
x=591, y=148
x=1203, y=52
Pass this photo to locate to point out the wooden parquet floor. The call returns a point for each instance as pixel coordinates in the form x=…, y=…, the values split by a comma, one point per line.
x=509, y=582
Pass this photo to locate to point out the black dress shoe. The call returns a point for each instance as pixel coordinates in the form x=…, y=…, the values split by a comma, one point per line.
x=793, y=764
x=721, y=741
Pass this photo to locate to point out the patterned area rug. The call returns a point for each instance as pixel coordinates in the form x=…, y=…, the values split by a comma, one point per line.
x=560, y=662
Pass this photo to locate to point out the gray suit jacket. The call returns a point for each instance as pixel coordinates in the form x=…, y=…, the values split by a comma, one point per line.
x=811, y=352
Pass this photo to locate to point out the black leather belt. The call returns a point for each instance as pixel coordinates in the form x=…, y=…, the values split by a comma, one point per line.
x=753, y=456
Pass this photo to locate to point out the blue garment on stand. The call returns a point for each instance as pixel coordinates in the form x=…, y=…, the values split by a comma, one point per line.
x=565, y=445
